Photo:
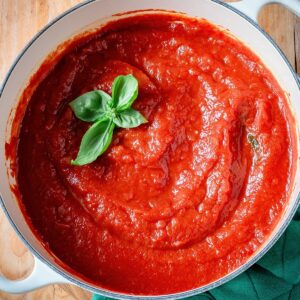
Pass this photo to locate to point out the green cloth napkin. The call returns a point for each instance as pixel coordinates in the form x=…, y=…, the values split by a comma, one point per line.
x=275, y=277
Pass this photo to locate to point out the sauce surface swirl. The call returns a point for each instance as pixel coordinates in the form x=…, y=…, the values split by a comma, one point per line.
x=180, y=201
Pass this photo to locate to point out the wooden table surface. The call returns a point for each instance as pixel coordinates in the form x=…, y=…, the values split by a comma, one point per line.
x=19, y=21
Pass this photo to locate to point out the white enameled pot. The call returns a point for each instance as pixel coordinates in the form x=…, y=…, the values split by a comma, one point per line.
x=239, y=18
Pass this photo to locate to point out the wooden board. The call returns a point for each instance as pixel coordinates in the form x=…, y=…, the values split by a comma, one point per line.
x=19, y=21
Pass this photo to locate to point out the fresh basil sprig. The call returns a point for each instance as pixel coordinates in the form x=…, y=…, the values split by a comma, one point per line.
x=105, y=112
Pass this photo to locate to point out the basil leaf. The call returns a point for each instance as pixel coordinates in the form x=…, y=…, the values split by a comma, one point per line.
x=253, y=141
x=124, y=92
x=94, y=142
x=129, y=118
x=90, y=106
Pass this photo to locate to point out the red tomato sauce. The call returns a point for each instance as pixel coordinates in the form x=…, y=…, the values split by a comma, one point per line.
x=180, y=201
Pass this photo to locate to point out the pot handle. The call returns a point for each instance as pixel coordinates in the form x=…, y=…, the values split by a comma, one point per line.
x=251, y=8
x=40, y=276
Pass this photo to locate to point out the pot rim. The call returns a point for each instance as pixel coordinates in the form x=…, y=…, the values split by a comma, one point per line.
x=188, y=293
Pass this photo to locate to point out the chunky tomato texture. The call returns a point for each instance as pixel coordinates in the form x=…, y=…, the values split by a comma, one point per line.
x=175, y=203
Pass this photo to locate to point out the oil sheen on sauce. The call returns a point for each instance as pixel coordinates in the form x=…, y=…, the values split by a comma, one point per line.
x=180, y=201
